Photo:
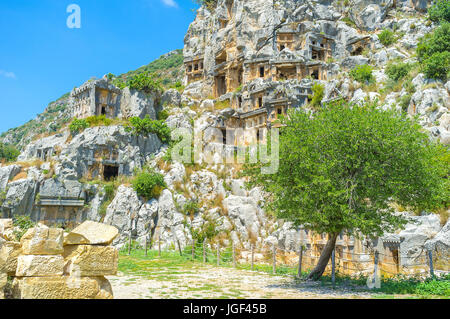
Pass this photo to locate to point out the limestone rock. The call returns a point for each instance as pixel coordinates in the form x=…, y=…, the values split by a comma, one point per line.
x=440, y=246
x=171, y=97
x=6, y=174
x=39, y=266
x=9, y=253
x=3, y=282
x=91, y=233
x=42, y=240
x=62, y=287
x=87, y=260
x=5, y=224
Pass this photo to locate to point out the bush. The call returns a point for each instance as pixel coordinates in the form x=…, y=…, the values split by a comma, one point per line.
x=363, y=74
x=318, y=94
x=8, y=153
x=437, y=66
x=23, y=223
x=191, y=208
x=148, y=126
x=149, y=184
x=98, y=120
x=438, y=41
x=78, y=126
x=397, y=71
x=440, y=11
x=163, y=115
x=145, y=82
x=404, y=102
x=387, y=37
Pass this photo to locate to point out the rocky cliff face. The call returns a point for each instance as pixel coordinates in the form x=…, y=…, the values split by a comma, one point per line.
x=328, y=37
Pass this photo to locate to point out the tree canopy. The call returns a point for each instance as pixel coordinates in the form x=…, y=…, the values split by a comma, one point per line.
x=342, y=168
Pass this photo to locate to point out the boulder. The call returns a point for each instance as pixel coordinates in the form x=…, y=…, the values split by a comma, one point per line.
x=39, y=266
x=91, y=233
x=42, y=240
x=9, y=253
x=6, y=174
x=60, y=287
x=87, y=260
x=5, y=224
x=440, y=246
x=171, y=97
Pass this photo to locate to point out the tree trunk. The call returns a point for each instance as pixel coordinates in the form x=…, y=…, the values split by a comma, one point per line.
x=317, y=272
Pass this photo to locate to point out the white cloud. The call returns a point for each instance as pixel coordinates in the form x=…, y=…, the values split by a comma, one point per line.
x=6, y=74
x=170, y=3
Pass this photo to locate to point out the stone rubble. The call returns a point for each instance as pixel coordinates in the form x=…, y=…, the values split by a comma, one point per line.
x=47, y=265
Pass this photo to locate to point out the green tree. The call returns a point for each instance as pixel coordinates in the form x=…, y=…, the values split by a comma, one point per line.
x=440, y=11
x=341, y=169
x=317, y=96
x=145, y=82
x=146, y=126
x=387, y=37
x=149, y=184
x=8, y=153
x=434, y=53
x=363, y=74
x=437, y=66
x=78, y=125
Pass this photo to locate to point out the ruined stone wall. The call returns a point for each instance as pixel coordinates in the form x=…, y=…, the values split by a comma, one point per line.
x=50, y=264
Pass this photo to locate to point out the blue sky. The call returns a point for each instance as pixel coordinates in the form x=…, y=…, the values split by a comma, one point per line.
x=41, y=58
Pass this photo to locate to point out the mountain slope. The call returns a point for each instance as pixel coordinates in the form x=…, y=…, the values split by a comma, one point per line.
x=168, y=69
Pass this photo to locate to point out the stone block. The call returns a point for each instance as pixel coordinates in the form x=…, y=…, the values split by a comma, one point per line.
x=91, y=233
x=62, y=287
x=42, y=240
x=87, y=260
x=39, y=266
x=9, y=253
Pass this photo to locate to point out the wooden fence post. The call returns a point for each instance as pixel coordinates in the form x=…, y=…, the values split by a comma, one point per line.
x=430, y=259
x=274, y=267
x=253, y=255
x=129, y=237
x=234, y=256
x=193, y=249
x=159, y=246
x=204, y=251
x=333, y=266
x=300, y=260
x=218, y=255
x=375, y=268
x=179, y=248
x=145, y=244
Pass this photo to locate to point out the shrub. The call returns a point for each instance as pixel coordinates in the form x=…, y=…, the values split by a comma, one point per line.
x=163, y=115
x=149, y=184
x=8, y=153
x=438, y=66
x=397, y=71
x=98, y=120
x=78, y=126
x=145, y=82
x=148, y=126
x=191, y=208
x=440, y=11
x=387, y=37
x=363, y=74
x=404, y=102
x=438, y=41
x=23, y=223
x=318, y=94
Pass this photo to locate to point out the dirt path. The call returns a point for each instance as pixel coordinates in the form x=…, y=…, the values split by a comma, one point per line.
x=214, y=283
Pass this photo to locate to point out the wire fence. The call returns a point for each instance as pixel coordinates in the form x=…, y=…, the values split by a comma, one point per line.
x=277, y=260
